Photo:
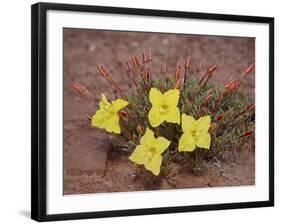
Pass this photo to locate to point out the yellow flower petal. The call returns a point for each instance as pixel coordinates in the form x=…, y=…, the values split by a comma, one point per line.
x=186, y=143
x=163, y=144
x=98, y=119
x=139, y=155
x=171, y=97
x=119, y=104
x=173, y=116
x=107, y=116
x=188, y=123
x=204, y=140
x=154, y=164
x=155, y=96
x=112, y=124
x=149, y=152
x=154, y=117
x=203, y=123
x=148, y=138
x=103, y=103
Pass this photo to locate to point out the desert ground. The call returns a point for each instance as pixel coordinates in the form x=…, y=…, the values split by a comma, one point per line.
x=87, y=167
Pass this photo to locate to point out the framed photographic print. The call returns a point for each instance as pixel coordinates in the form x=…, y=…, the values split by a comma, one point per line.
x=139, y=111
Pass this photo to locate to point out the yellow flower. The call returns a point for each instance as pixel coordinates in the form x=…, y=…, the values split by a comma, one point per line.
x=148, y=153
x=107, y=116
x=195, y=133
x=164, y=107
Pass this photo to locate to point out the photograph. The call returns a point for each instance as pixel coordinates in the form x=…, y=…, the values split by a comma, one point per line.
x=146, y=111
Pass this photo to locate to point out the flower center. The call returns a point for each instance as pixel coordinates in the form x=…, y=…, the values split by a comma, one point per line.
x=163, y=109
x=151, y=152
x=195, y=133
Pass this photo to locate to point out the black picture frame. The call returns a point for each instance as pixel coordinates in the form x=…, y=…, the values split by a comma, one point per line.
x=39, y=122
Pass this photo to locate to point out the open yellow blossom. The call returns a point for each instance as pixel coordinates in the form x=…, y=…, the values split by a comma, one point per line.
x=106, y=117
x=195, y=133
x=164, y=107
x=148, y=153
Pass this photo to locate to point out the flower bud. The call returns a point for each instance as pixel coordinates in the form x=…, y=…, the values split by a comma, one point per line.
x=140, y=129
x=103, y=71
x=213, y=127
x=247, y=133
x=250, y=107
x=122, y=114
x=80, y=89
x=144, y=58
x=208, y=98
x=212, y=69
x=178, y=84
x=177, y=74
x=187, y=62
x=135, y=61
x=163, y=68
x=248, y=70
x=220, y=117
x=149, y=55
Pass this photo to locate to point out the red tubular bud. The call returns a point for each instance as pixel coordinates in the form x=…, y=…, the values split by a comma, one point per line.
x=122, y=114
x=208, y=98
x=213, y=127
x=177, y=74
x=103, y=71
x=212, y=69
x=147, y=75
x=187, y=62
x=149, y=55
x=178, y=84
x=186, y=66
x=220, y=117
x=135, y=61
x=247, y=133
x=80, y=89
x=232, y=85
x=163, y=68
x=144, y=58
x=250, y=107
x=140, y=129
x=248, y=70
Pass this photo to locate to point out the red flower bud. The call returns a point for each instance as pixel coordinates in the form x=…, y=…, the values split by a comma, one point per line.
x=220, y=117
x=213, y=126
x=249, y=69
x=140, y=129
x=144, y=58
x=163, y=68
x=178, y=84
x=247, y=133
x=208, y=98
x=103, y=71
x=82, y=90
x=187, y=62
x=250, y=107
x=149, y=54
x=135, y=61
x=122, y=114
x=212, y=69
x=178, y=74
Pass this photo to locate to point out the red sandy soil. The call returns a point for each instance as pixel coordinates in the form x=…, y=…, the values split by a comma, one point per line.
x=86, y=169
